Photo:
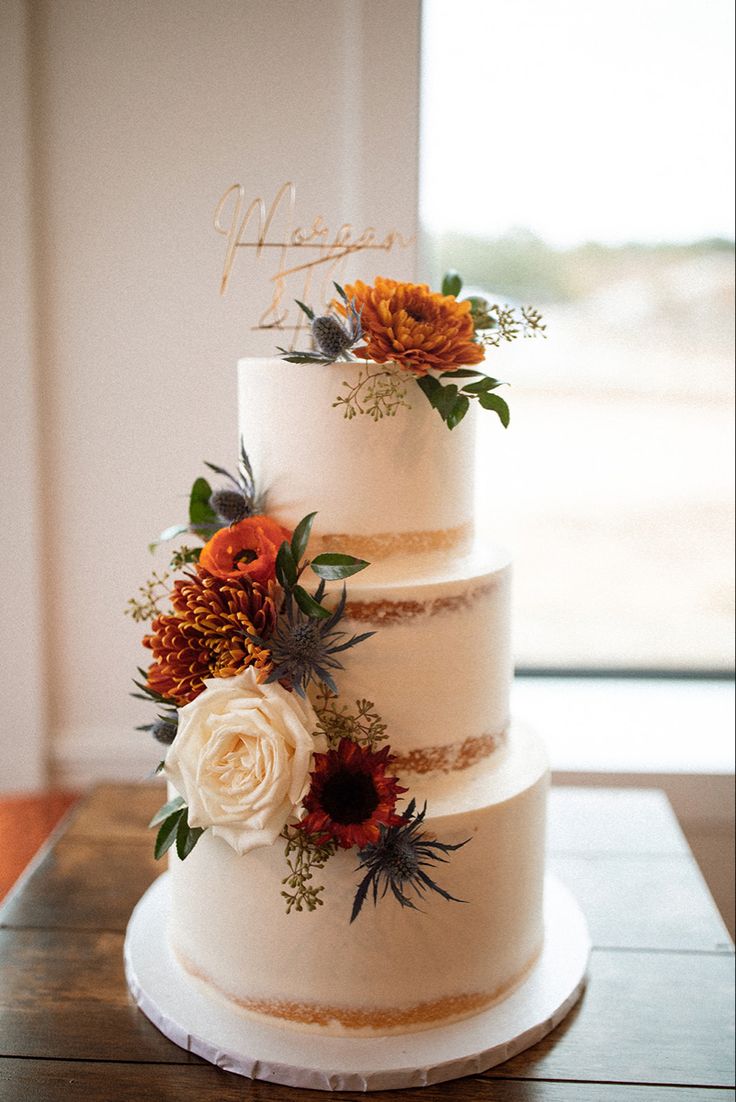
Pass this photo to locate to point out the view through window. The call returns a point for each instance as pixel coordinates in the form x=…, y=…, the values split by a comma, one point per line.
x=580, y=157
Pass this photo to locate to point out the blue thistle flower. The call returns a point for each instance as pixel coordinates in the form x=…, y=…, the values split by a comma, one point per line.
x=231, y=506
x=238, y=500
x=333, y=336
x=303, y=647
x=330, y=337
x=398, y=860
x=164, y=727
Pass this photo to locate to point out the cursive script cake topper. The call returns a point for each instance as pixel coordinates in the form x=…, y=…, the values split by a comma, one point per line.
x=309, y=259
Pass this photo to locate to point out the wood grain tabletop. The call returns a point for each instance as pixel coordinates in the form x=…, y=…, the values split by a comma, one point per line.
x=655, y=1022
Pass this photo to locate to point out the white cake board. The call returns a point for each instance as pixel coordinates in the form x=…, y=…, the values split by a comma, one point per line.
x=211, y=1027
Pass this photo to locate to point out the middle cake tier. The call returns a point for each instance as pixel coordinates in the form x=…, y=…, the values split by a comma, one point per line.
x=439, y=667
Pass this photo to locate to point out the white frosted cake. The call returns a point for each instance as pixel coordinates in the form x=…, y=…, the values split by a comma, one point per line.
x=397, y=492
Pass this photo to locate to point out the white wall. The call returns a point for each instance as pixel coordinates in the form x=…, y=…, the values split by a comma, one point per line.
x=143, y=113
x=25, y=698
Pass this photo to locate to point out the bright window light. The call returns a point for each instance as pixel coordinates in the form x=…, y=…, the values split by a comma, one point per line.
x=579, y=156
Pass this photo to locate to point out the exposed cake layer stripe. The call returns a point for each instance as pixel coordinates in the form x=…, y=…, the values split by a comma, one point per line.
x=386, y=612
x=383, y=545
x=451, y=757
x=383, y=1020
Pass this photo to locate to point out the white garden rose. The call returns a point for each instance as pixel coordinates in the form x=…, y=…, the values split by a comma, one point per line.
x=241, y=758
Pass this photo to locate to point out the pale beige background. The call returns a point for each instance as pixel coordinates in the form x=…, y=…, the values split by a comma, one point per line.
x=126, y=121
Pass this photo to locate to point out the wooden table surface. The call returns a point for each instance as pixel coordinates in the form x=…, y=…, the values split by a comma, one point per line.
x=655, y=1023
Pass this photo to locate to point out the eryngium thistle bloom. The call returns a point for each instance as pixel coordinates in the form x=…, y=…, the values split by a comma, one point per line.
x=210, y=633
x=303, y=648
x=231, y=506
x=330, y=337
x=398, y=860
x=164, y=728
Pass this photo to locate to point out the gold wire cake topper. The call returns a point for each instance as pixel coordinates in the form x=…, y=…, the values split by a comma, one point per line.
x=309, y=259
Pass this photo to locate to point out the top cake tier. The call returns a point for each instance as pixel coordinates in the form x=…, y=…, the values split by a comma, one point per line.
x=401, y=485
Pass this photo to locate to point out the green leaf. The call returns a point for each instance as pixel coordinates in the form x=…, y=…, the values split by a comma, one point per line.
x=429, y=386
x=497, y=404
x=286, y=570
x=186, y=837
x=461, y=373
x=169, y=534
x=307, y=309
x=340, y=292
x=437, y=394
x=167, y=833
x=458, y=411
x=444, y=400
x=163, y=812
x=452, y=284
x=200, y=511
x=304, y=357
x=300, y=539
x=332, y=567
x=150, y=694
x=486, y=383
x=308, y=604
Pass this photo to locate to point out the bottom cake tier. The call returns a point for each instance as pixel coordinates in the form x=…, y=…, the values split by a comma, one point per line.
x=394, y=969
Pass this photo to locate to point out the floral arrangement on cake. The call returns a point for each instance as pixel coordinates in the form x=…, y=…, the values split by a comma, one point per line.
x=259, y=745
x=411, y=335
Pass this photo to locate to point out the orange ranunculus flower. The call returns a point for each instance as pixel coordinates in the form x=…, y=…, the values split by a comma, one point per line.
x=419, y=329
x=247, y=548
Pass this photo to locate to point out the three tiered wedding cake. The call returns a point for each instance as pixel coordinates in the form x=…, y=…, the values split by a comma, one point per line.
x=356, y=827
x=398, y=493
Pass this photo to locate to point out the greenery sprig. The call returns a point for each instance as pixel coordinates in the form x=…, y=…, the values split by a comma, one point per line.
x=337, y=722
x=452, y=402
x=493, y=325
x=185, y=556
x=330, y=566
x=146, y=607
x=304, y=854
x=156, y=589
x=378, y=391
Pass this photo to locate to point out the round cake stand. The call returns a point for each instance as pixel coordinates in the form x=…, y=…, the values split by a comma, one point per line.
x=204, y=1023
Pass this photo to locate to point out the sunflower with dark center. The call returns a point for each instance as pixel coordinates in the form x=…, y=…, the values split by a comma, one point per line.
x=352, y=795
x=398, y=862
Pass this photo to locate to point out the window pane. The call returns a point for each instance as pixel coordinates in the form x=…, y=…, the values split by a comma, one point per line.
x=580, y=157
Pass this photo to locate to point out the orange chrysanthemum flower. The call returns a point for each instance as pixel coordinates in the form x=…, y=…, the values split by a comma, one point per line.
x=208, y=634
x=352, y=795
x=247, y=549
x=419, y=329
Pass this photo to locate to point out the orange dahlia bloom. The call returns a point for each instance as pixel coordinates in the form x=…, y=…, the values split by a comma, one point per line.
x=419, y=329
x=208, y=634
x=246, y=549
